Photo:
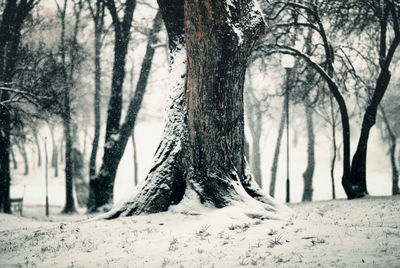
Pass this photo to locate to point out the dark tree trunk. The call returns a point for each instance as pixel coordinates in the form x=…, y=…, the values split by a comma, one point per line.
x=69, y=206
x=103, y=182
x=386, y=52
x=22, y=151
x=202, y=158
x=309, y=172
x=5, y=159
x=334, y=149
x=358, y=165
x=345, y=133
x=98, y=18
x=275, y=160
x=13, y=17
x=69, y=197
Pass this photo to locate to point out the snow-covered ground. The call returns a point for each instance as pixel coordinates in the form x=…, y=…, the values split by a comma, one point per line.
x=340, y=233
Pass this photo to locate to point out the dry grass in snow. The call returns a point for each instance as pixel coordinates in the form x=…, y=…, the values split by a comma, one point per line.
x=358, y=233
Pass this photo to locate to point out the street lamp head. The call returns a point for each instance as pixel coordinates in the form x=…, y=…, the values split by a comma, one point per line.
x=287, y=61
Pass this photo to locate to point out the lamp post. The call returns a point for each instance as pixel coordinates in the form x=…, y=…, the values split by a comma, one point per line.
x=46, y=177
x=287, y=62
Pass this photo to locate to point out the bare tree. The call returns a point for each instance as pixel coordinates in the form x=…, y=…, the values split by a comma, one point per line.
x=97, y=13
x=102, y=185
x=12, y=19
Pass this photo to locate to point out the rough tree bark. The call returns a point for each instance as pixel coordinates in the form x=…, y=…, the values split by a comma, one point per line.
x=201, y=155
x=10, y=34
x=102, y=184
x=277, y=150
x=309, y=172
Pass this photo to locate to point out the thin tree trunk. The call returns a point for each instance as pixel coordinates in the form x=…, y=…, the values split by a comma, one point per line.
x=15, y=164
x=54, y=152
x=85, y=136
x=38, y=151
x=255, y=159
x=392, y=150
x=334, y=150
x=61, y=148
x=135, y=162
x=98, y=18
x=309, y=172
x=69, y=206
x=254, y=119
x=22, y=150
x=275, y=160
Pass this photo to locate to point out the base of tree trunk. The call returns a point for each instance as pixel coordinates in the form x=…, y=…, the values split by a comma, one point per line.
x=166, y=188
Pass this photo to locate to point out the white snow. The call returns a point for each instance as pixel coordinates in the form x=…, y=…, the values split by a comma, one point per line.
x=358, y=233
x=235, y=27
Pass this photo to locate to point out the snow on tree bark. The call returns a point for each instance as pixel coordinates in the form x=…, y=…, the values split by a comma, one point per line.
x=201, y=155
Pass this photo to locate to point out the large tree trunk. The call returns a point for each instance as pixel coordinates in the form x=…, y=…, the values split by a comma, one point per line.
x=201, y=155
x=103, y=183
x=277, y=150
x=309, y=172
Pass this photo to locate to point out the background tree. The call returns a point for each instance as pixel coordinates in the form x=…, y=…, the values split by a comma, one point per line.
x=97, y=13
x=69, y=69
x=13, y=15
x=117, y=135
